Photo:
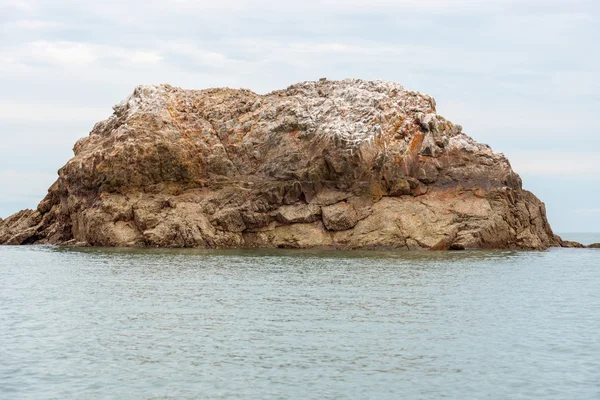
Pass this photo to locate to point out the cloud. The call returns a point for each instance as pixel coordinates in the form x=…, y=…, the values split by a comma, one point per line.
x=196, y=55
x=36, y=24
x=25, y=185
x=582, y=165
x=588, y=212
x=20, y=5
x=51, y=112
x=142, y=57
x=75, y=54
x=67, y=53
x=308, y=7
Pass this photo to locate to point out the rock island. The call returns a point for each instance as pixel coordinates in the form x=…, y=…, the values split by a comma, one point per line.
x=348, y=164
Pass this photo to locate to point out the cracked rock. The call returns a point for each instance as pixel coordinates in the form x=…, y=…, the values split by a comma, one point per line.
x=339, y=217
x=327, y=164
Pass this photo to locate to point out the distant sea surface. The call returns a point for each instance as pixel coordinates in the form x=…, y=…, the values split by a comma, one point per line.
x=142, y=324
x=583, y=238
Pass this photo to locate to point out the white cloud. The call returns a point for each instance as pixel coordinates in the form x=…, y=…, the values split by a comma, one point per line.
x=311, y=6
x=198, y=55
x=75, y=54
x=519, y=120
x=52, y=112
x=20, y=5
x=37, y=24
x=24, y=185
x=556, y=163
x=142, y=57
x=67, y=53
x=589, y=212
x=223, y=14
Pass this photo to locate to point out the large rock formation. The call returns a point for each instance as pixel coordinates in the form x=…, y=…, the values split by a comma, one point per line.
x=333, y=164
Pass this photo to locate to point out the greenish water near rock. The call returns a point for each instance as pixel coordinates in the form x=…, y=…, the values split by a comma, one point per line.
x=108, y=323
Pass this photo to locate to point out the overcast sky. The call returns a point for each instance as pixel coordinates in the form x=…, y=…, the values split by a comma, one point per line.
x=520, y=75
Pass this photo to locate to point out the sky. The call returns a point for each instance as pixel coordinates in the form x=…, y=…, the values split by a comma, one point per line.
x=520, y=75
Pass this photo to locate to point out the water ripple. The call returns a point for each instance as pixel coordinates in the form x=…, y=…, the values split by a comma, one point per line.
x=114, y=323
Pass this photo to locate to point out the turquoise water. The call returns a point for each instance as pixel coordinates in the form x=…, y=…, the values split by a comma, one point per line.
x=104, y=324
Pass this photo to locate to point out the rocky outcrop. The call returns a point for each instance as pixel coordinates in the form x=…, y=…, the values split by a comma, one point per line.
x=571, y=244
x=329, y=164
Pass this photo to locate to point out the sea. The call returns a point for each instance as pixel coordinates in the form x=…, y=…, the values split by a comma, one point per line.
x=96, y=323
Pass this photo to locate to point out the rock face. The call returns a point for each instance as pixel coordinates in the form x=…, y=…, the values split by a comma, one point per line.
x=328, y=164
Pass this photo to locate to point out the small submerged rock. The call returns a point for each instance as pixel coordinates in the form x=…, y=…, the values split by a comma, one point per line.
x=333, y=164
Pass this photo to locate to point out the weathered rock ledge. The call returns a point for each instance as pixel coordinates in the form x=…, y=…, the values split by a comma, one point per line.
x=328, y=164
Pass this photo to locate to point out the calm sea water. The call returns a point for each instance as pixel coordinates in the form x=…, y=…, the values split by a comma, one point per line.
x=584, y=238
x=102, y=324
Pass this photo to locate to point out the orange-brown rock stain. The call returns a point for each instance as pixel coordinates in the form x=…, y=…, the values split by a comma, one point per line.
x=397, y=126
x=415, y=144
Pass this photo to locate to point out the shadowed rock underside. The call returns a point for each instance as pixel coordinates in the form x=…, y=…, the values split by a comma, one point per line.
x=330, y=164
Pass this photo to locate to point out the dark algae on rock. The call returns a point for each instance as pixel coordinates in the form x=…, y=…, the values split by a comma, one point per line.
x=346, y=164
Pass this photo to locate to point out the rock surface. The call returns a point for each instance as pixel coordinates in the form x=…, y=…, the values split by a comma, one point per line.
x=327, y=164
